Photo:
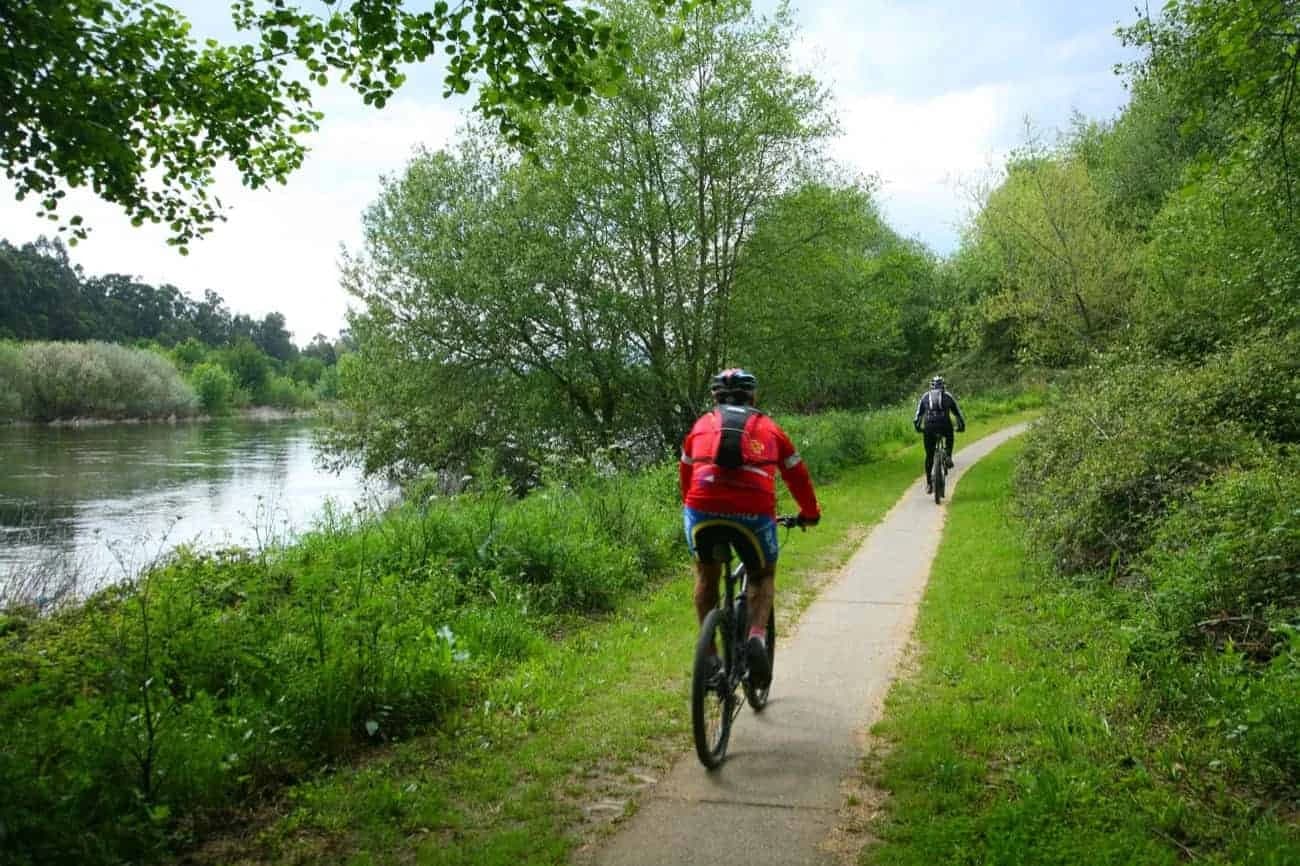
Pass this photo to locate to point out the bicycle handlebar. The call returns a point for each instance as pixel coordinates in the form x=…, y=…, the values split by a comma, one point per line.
x=790, y=520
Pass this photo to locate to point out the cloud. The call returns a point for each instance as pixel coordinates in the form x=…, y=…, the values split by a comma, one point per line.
x=932, y=94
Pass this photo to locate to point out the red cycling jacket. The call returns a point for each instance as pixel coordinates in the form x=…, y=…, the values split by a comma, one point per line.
x=751, y=488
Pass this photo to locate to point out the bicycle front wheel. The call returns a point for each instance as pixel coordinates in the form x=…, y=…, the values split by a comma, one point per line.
x=712, y=695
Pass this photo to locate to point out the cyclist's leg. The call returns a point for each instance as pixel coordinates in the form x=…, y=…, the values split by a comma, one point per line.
x=762, y=590
x=949, y=438
x=707, y=572
x=762, y=582
x=931, y=439
x=706, y=587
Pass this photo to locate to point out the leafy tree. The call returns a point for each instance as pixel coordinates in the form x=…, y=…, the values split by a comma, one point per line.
x=1234, y=68
x=270, y=336
x=117, y=95
x=189, y=353
x=211, y=319
x=322, y=349
x=249, y=367
x=39, y=292
x=831, y=305
x=585, y=292
x=214, y=386
x=1064, y=274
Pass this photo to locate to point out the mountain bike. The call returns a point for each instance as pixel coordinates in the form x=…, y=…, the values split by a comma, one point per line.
x=714, y=703
x=939, y=470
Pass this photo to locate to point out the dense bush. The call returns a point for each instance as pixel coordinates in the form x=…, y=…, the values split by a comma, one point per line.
x=1129, y=441
x=100, y=380
x=1215, y=626
x=283, y=392
x=214, y=386
x=1226, y=565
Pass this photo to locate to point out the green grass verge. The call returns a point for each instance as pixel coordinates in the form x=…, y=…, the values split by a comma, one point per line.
x=504, y=781
x=1023, y=735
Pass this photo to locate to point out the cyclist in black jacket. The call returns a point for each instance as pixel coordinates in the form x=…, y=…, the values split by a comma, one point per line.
x=933, y=418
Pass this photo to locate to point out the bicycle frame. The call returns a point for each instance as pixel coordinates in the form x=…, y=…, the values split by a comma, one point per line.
x=734, y=602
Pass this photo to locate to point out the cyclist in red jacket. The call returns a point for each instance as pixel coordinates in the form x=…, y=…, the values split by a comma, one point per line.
x=728, y=483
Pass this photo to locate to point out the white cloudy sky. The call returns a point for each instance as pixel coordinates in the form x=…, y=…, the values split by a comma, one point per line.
x=929, y=92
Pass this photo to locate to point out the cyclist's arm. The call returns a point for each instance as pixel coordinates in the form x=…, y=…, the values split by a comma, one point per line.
x=684, y=468
x=794, y=472
x=920, y=404
x=957, y=411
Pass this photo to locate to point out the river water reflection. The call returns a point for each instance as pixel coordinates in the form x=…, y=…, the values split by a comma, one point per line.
x=99, y=502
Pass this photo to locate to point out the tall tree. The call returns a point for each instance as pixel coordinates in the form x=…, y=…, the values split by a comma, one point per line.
x=599, y=273
x=831, y=305
x=40, y=292
x=1065, y=273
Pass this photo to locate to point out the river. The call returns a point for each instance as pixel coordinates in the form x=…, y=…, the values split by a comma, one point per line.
x=81, y=507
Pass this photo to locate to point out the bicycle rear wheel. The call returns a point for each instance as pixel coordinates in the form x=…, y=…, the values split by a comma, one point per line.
x=712, y=697
x=758, y=697
x=940, y=475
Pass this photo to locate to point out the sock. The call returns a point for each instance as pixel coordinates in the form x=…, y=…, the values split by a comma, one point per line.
x=760, y=633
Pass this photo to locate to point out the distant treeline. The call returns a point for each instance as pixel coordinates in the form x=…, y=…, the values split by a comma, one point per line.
x=44, y=296
x=58, y=360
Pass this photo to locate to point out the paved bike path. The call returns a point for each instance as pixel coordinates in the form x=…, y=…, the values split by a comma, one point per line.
x=776, y=798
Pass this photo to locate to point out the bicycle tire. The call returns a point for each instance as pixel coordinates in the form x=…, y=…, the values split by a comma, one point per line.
x=940, y=475
x=712, y=703
x=758, y=697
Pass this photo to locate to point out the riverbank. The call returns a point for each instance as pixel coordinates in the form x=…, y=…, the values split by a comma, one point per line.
x=214, y=681
x=250, y=413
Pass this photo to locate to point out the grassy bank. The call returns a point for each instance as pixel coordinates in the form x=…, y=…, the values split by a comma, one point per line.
x=466, y=648
x=1025, y=735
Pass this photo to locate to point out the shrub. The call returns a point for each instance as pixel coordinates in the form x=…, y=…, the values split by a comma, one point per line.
x=1226, y=565
x=1131, y=440
x=249, y=366
x=284, y=393
x=101, y=380
x=214, y=386
x=189, y=353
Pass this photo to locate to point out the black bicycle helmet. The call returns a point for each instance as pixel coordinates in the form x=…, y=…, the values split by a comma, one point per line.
x=937, y=382
x=734, y=385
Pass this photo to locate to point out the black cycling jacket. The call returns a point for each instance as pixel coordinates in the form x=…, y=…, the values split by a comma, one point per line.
x=937, y=415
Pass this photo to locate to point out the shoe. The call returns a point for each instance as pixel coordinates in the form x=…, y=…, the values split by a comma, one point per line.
x=760, y=675
x=948, y=462
x=929, y=488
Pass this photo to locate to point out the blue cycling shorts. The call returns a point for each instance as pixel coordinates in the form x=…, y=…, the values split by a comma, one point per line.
x=752, y=536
